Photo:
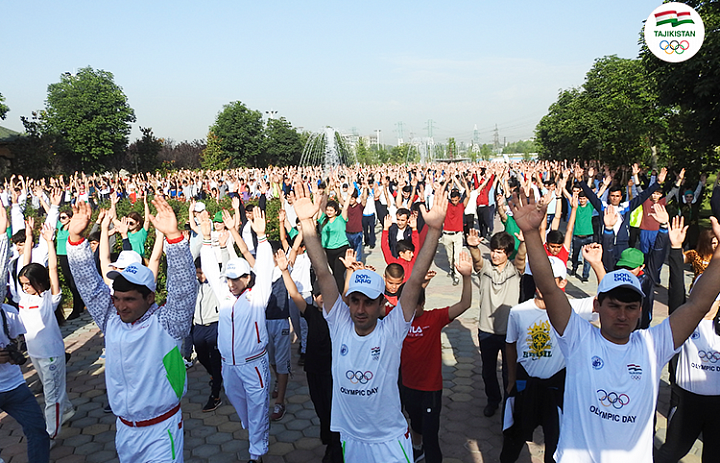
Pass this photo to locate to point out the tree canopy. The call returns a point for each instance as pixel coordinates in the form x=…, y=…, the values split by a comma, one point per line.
x=239, y=131
x=3, y=107
x=282, y=145
x=90, y=117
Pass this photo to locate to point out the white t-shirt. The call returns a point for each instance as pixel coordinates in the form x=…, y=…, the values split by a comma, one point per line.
x=698, y=369
x=610, y=393
x=365, y=399
x=43, y=336
x=530, y=328
x=471, y=208
x=300, y=274
x=10, y=375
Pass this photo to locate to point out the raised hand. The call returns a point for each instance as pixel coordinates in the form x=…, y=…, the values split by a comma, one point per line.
x=610, y=217
x=228, y=219
x=660, y=214
x=436, y=216
x=592, y=253
x=661, y=176
x=79, y=221
x=527, y=212
x=3, y=219
x=303, y=205
x=281, y=217
x=48, y=234
x=430, y=275
x=678, y=230
x=464, y=265
x=205, y=225
x=164, y=219
x=258, y=223
x=281, y=260
x=350, y=259
x=387, y=222
x=473, y=238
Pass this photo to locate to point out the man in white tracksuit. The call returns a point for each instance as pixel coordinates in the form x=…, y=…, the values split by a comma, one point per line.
x=243, y=293
x=144, y=369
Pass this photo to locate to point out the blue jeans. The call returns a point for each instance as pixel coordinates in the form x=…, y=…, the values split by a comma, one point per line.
x=577, y=245
x=356, y=244
x=647, y=240
x=21, y=405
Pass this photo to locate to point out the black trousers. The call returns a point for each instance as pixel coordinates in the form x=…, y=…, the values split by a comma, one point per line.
x=695, y=414
x=78, y=304
x=204, y=338
x=320, y=388
x=368, y=224
x=423, y=408
x=490, y=345
x=336, y=265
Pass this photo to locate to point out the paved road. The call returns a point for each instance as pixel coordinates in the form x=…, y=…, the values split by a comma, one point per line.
x=465, y=435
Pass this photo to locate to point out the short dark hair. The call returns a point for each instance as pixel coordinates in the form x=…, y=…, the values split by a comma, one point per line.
x=555, y=237
x=395, y=270
x=405, y=245
x=94, y=236
x=615, y=188
x=503, y=240
x=403, y=211
x=18, y=237
x=121, y=285
x=455, y=194
x=620, y=294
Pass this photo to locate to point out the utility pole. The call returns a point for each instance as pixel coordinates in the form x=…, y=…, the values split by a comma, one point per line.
x=429, y=127
x=496, y=140
x=399, y=131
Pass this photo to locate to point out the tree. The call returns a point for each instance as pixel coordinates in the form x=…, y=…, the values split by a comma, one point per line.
x=363, y=154
x=214, y=157
x=282, y=145
x=90, y=116
x=692, y=90
x=240, y=134
x=486, y=152
x=452, y=150
x=142, y=154
x=3, y=107
x=183, y=155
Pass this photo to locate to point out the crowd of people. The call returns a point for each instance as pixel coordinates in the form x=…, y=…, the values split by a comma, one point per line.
x=586, y=370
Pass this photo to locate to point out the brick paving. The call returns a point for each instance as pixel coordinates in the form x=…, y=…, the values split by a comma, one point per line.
x=465, y=434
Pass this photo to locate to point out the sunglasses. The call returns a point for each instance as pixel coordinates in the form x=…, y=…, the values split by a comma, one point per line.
x=64, y=217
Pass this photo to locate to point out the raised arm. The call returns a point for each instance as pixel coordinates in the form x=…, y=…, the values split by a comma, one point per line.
x=4, y=252
x=146, y=224
x=48, y=234
x=571, y=222
x=290, y=285
x=157, y=252
x=676, y=282
x=528, y=214
x=306, y=210
x=434, y=220
x=684, y=320
x=464, y=268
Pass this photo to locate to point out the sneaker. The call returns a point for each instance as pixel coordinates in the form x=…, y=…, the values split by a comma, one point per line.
x=490, y=410
x=107, y=409
x=188, y=363
x=254, y=460
x=418, y=454
x=278, y=412
x=212, y=404
x=73, y=315
x=67, y=416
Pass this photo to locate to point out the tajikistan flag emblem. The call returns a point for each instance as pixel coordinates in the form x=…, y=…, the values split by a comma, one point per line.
x=673, y=18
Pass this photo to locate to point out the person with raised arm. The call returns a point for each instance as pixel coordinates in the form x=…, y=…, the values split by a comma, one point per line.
x=243, y=291
x=144, y=369
x=366, y=350
x=612, y=373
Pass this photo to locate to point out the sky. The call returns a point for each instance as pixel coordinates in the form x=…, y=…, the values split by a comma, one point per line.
x=400, y=67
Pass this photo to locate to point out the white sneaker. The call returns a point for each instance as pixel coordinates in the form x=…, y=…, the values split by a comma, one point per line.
x=67, y=415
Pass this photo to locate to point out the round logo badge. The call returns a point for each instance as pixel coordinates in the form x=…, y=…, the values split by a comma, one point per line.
x=674, y=32
x=343, y=350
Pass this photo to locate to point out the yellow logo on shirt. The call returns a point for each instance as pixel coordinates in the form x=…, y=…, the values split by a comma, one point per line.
x=538, y=341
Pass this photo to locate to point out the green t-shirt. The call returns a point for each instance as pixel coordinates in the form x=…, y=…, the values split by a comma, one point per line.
x=333, y=234
x=61, y=243
x=512, y=228
x=583, y=220
x=137, y=241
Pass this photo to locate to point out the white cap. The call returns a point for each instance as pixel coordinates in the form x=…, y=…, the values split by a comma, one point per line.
x=367, y=282
x=235, y=268
x=199, y=207
x=620, y=279
x=127, y=258
x=137, y=274
x=559, y=268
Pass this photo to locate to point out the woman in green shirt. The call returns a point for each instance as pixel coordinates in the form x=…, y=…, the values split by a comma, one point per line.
x=333, y=238
x=61, y=238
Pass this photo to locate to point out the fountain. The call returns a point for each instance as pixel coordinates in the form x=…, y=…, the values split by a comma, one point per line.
x=328, y=149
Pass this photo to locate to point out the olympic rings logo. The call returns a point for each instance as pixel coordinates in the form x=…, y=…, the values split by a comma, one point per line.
x=607, y=399
x=709, y=356
x=674, y=46
x=356, y=377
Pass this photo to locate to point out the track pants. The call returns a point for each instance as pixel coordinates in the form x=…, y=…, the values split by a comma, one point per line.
x=398, y=450
x=51, y=372
x=161, y=442
x=246, y=386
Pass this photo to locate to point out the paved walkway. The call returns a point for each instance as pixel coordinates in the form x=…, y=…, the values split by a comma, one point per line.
x=465, y=435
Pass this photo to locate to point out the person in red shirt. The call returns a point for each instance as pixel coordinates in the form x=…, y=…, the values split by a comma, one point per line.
x=421, y=367
x=405, y=248
x=453, y=232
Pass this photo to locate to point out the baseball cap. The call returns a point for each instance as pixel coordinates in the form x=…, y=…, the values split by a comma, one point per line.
x=137, y=274
x=235, y=268
x=199, y=207
x=559, y=268
x=218, y=217
x=367, y=282
x=127, y=258
x=631, y=258
x=620, y=279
